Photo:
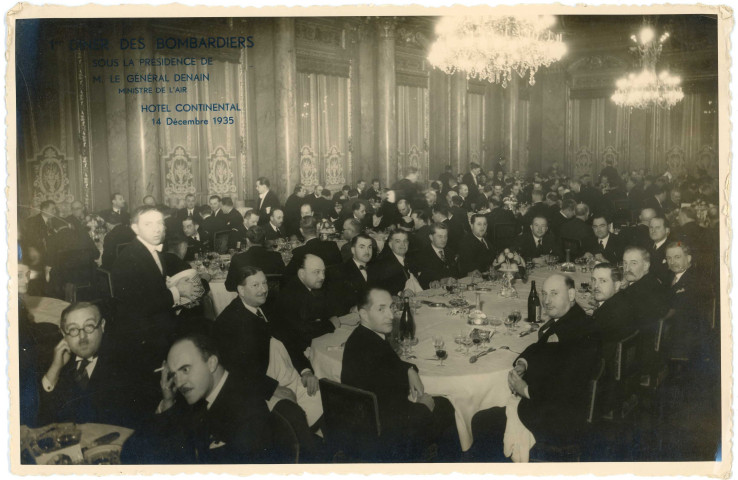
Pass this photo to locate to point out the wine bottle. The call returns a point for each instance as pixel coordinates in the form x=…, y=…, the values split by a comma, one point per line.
x=404, y=319
x=534, y=304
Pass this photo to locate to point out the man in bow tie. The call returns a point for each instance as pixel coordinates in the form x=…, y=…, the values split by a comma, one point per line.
x=349, y=279
x=475, y=254
x=82, y=385
x=550, y=376
x=117, y=213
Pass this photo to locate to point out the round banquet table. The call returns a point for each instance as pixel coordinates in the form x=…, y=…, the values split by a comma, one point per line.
x=469, y=387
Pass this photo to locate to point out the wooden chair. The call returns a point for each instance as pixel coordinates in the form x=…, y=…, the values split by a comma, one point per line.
x=351, y=421
x=285, y=448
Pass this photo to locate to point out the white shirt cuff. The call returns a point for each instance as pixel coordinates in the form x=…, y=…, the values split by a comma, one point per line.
x=47, y=384
x=304, y=371
x=523, y=362
x=175, y=294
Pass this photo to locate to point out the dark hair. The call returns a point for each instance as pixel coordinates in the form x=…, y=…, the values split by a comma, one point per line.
x=365, y=298
x=297, y=188
x=346, y=188
x=263, y=180
x=475, y=217
x=457, y=200
x=437, y=226
x=325, y=192
x=247, y=271
x=143, y=209
x=250, y=214
x=422, y=215
x=375, y=180
x=73, y=308
x=679, y=244
x=190, y=195
x=552, y=196
x=353, y=222
x=309, y=226
x=607, y=219
x=362, y=236
x=255, y=235
x=356, y=207
x=214, y=197
x=615, y=274
x=667, y=224
x=205, y=344
x=393, y=233
x=204, y=209
x=569, y=204
x=539, y=216
x=227, y=201
x=441, y=209
x=46, y=204
x=302, y=261
x=112, y=197
x=474, y=165
x=274, y=210
x=353, y=193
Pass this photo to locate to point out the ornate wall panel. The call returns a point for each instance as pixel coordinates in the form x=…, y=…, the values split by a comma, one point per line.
x=324, y=129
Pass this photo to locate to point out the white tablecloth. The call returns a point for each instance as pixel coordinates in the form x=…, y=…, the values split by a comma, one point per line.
x=469, y=387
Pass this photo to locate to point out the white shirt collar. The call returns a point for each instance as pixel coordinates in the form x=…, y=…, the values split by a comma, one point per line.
x=678, y=276
x=251, y=309
x=658, y=245
x=90, y=366
x=438, y=250
x=399, y=259
x=604, y=240
x=273, y=226
x=262, y=195
x=358, y=264
x=151, y=248
x=214, y=394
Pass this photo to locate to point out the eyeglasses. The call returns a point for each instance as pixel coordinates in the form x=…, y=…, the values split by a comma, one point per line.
x=88, y=328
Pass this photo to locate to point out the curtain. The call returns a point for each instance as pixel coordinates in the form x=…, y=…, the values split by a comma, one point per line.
x=475, y=112
x=412, y=129
x=523, y=136
x=323, y=103
x=204, y=159
x=599, y=133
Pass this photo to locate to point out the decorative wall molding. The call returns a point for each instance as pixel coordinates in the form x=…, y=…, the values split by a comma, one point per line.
x=323, y=64
x=582, y=161
x=308, y=169
x=333, y=167
x=179, y=179
x=326, y=34
x=610, y=154
x=50, y=175
x=675, y=159
x=221, y=180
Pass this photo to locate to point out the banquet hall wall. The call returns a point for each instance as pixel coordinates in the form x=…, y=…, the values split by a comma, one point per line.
x=326, y=101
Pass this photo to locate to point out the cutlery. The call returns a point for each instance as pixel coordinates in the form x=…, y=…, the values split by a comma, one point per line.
x=103, y=440
x=505, y=347
x=433, y=304
x=474, y=358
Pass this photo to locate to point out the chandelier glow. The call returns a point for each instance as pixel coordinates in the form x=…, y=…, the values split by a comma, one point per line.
x=493, y=47
x=646, y=88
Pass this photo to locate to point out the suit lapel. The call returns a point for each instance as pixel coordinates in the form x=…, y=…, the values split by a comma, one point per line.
x=148, y=259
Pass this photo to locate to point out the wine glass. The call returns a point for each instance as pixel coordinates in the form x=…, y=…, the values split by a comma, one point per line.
x=440, y=347
x=467, y=342
x=516, y=317
x=476, y=340
x=484, y=336
x=509, y=322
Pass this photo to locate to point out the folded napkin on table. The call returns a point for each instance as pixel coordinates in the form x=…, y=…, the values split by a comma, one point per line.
x=518, y=440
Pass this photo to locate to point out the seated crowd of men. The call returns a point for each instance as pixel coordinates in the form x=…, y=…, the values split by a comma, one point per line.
x=197, y=390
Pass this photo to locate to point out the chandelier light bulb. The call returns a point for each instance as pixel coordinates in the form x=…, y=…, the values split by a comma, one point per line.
x=646, y=35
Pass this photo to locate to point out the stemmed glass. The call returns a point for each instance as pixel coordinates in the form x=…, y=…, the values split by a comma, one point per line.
x=467, y=342
x=459, y=340
x=509, y=322
x=485, y=335
x=516, y=317
x=439, y=345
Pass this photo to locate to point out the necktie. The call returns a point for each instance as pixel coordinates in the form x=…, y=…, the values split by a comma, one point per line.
x=602, y=245
x=442, y=254
x=260, y=314
x=546, y=331
x=81, y=377
x=485, y=243
x=279, y=232
x=189, y=213
x=362, y=270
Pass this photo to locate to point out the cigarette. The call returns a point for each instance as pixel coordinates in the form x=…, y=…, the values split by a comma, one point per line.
x=160, y=369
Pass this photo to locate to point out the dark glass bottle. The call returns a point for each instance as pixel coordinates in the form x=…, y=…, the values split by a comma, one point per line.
x=534, y=304
x=407, y=322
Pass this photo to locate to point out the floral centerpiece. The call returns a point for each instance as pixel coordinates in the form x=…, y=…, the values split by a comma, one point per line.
x=96, y=227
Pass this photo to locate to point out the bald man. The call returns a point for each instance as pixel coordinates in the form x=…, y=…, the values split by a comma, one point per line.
x=550, y=376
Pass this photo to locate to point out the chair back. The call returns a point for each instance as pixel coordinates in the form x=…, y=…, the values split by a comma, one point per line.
x=593, y=391
x=285, y=448
x=626, y=357
x=220, y=241
x=350, y=415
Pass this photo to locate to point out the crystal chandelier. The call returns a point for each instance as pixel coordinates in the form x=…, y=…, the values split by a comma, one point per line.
x=647, y=88
x=493, y=47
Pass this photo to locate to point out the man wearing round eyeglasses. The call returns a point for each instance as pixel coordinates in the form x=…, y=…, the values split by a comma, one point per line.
x=81, y=384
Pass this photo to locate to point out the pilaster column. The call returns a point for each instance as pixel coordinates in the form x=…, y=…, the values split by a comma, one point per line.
x=285, y=94
x=144, y=170
x=510, y=127
x=386, y=101
x=459, y=122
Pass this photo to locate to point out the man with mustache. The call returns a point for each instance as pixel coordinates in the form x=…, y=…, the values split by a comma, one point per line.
x=645, y=292
x=206, y=415
x=82, y=384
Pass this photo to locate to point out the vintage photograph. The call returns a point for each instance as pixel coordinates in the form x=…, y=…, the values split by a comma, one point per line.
x=462, y=236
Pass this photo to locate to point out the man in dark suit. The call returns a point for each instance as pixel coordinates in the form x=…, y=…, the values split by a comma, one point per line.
x=645, y=291
x=471, y=178
x=77, y=219
x=407, y=188
x=82, y=385
x=38, y=228
x=563, y=215
x=697, y=237
x=411, y=419
x=190, y=210
x=550, y=376
x=118, y=234
x=475, y=254
x=144, y=320
x=304, y=307
x=658, y=230
x=457, y=225
x=656, y=200
x=578, y=228
x=639, y=235
x=374, y=192
x=117, y=213
x=498, y=215
x=537, y=241
x=349, y=279
x=266, y=201
x=196, y=243
x=232, y=217
x=246, y=336
x=256, y=255
x=218, y=221
x=292, y=209
x=688, y=297
x=537, y=209
x=391, y=270
x=206, y=415
x=71, y=255
x=604, y=246
x=328, y=251
x=434, y=261
x=275, y=228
